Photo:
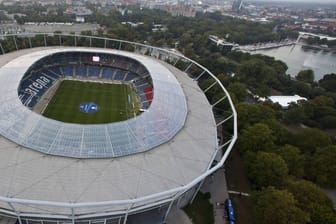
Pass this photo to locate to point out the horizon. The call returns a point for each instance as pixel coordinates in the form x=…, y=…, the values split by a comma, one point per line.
x=297, y=1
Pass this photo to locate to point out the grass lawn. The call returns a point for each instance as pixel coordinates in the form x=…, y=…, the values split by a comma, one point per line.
x=200, y=211
x=112, y=101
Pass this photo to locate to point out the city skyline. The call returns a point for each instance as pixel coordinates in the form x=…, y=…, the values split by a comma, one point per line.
x=299, y=1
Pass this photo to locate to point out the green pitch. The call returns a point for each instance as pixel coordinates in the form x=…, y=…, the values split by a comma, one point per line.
x=116, y=102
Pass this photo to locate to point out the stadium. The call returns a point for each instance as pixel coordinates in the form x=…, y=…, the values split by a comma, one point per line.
x=97, y=130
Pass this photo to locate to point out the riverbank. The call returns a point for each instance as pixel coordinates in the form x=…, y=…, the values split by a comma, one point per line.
x=317, y=47
x=298, y=57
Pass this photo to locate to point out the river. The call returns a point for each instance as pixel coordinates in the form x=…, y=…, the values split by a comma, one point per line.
x=299, y=58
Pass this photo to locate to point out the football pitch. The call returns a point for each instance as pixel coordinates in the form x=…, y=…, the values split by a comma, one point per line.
x=92, y=103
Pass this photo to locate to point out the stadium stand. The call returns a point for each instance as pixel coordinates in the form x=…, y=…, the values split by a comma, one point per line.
x=93, y=71
x=130, y=76
x=68, y=70
x=119, y=75
x=107, y=73
x=78, y=64
x=81, y=70
x=149, y=93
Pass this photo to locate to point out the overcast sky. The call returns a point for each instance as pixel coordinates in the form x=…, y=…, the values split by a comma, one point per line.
x=308, y=1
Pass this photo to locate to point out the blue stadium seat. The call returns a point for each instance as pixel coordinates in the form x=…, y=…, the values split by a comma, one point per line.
x=68, y=70
x=51, y=74
x=119, y=75
x=56, y=70
x=107, y=73
x=130, y=76
x=81, y=70
x=93, y=71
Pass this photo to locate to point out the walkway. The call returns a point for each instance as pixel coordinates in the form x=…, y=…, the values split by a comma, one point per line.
x=216, y=185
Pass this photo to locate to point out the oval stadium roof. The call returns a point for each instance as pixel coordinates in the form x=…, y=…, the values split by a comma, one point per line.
x=157, y=125
x=28, y=174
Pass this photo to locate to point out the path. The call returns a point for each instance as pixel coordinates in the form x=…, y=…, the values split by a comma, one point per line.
x=216, y=185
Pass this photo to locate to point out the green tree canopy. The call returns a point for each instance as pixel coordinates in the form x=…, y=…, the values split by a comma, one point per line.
x=313, y=201
x=273, y=206
x=282, y=135
x=321, y=167
x=257, y=74
x=238, y=90
x=250, y=114
x=293, y=158
x=306, y=76
x=258, y=137
x=310, y=139
x=267, y=169
x=328, y=82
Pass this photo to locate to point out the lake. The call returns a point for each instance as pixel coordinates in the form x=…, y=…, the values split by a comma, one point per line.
x=299, y=58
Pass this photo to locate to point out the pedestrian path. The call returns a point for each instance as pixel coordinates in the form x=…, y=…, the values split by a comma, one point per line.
x=216, y=185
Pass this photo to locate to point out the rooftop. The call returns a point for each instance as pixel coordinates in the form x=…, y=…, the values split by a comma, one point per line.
x=28, y=174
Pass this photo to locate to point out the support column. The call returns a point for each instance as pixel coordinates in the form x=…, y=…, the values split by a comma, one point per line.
x=45, y=40
x=16, y=46
x=218, y=101
x=198, y=77
x=207, y=89
x=126, y=215
x=2, y=50
x=185, y=70
x=176, y=61
x=168, y=210
x=30, y=43
x=197, y=190
x=17, y=213
x=73, y=215
x=226, y=119
x=60, y=40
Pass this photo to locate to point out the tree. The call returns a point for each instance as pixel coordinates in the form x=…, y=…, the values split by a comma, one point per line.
x=328, y=82
x=238, y=90
x=273, y=206
x=282, y=135
x=258, y=137
x=328, y=121
x=267, y=169
x=321, y=167
x=313, y=201
x=297, y=113
x=323, y=101
x=250, y=114
x=294, y=160
x=310, y=139
x=257, y=75
x=306, y=76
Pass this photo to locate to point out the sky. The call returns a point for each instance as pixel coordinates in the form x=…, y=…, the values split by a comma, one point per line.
x=303, y=1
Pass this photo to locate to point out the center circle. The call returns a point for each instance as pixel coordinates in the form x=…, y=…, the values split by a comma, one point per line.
x=88, y=107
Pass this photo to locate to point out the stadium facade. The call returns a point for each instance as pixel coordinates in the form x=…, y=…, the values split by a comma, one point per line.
x=131, y=171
